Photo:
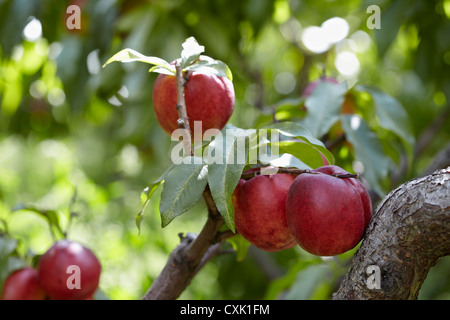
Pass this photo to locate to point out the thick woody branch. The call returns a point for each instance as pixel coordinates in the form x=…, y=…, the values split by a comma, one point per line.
x=408, y=233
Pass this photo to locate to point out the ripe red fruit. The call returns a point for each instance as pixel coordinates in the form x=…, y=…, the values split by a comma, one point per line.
x=260, y=211
x=65, y=265
x=23, y=284
x=209, y=99
x=365, y=198
x=327, y=215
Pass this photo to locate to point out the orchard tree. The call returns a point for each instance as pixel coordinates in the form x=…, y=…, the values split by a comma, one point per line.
x=325, y=210
x=302, y=143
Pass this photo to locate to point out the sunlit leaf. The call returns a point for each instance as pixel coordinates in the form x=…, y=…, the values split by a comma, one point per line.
x=304, y=147
x=191, y=52
x=210, y=66
x=130, y=55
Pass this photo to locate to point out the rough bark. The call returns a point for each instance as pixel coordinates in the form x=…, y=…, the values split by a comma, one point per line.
x=189, y=256
x=408, y=233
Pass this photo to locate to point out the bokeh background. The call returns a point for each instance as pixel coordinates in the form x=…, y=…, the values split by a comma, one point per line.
x=69, y=127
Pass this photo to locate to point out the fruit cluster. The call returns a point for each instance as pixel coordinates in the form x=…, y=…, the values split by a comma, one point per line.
x=67, y=271
x=325, y=211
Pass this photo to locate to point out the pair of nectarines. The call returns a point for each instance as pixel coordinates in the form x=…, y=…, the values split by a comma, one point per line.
x=323, y=212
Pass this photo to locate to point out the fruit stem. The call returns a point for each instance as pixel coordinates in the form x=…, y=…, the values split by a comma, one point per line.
x=183, y=120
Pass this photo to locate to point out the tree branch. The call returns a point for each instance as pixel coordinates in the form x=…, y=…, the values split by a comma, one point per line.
x=183, y=120
x=408, y=233
x=189, y=256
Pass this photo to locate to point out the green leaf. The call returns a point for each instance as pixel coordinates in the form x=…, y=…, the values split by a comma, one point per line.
x=290, y=108
x=305, y=152
x=230, y=157
x=392, y=116
x=282, y=284
x=182, y=188
x=130, y=55
x=286, y=160
x=368, y=150
x=9, y=262
x=307, y=281
x=240, y=245
x=295, y=130
x=210, y=66
x=305, y=149
x=7, y=246
x=191, y=52
x=324, y=107
x=52, y=217
x=148, y=192
x=392, y=18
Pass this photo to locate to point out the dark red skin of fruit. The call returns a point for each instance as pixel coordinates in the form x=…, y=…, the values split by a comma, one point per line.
x=23, y=284
x=365, y=197
x=208, y=98
x=325, y=213
x=53, y=271
x=260, y=211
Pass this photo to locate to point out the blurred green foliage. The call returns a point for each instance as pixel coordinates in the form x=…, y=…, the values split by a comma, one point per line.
x=68, y=127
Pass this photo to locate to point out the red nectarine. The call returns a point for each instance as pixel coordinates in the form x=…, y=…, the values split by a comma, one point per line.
x=209, y=99
x=69, y=259
x=23, y=284
x=327, y=215
x=260, y=211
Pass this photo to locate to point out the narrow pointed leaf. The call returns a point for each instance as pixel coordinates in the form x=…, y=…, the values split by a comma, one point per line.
x=183, y=187
x=148, y=192
x=225, y=172
x=130, y=55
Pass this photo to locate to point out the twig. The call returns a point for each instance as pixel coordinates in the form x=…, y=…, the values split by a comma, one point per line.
x=183, y=120
x=257, y=171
